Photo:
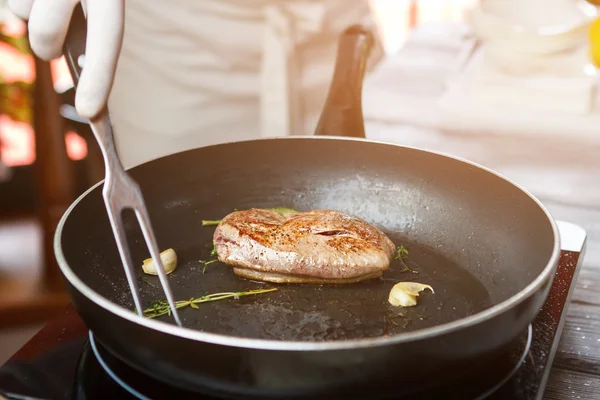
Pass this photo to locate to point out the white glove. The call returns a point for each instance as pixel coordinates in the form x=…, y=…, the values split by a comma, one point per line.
x=48, y=22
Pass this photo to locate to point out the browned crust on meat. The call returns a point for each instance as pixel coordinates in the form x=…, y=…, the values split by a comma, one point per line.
x=254, y=223
x=274, y=277
x=307, y=243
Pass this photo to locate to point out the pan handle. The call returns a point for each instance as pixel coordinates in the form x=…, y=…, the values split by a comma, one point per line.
x=342, y=113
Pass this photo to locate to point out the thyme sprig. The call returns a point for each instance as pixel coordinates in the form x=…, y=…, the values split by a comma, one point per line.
x=162, y=307
x=213, y=253
x=206, y=264
x=402, y=255
x=211, y=222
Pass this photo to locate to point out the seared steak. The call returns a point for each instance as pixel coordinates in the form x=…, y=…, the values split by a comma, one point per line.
x=321, y=246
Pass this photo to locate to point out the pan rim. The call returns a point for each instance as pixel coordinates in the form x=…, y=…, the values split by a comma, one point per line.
x=287, y=345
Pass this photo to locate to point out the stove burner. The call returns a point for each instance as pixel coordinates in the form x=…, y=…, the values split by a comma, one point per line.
x=125, y=382
x=515, y=369
x=111, y=373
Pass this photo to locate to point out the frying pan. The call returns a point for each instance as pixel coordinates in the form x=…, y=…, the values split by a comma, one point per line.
x=487, y=247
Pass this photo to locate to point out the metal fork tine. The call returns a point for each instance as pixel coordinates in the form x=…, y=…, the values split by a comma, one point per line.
x=121, y=239
x=144, y=220
x=121, y=192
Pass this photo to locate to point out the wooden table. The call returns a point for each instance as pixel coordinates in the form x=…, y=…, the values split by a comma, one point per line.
x=564, y=173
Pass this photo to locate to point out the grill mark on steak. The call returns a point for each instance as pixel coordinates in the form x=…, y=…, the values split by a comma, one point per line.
x=317, y=246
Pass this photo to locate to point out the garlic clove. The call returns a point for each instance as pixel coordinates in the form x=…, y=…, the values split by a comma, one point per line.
x=169, y=261
x=404, y=294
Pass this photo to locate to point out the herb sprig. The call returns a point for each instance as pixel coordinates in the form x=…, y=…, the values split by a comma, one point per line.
x=211, y=222
x=162, y=307
x=213, y=253
x=402, y=254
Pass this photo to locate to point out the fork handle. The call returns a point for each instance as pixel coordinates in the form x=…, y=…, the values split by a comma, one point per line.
x=73, y=49
x=75, y=41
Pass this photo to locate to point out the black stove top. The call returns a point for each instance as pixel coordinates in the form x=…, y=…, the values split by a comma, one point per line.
x=82, y=369
x=100, y=375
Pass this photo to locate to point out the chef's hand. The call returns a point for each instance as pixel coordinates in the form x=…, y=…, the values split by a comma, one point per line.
x=48, y=22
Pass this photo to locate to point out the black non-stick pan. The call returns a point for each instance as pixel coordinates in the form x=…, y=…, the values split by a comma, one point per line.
x=487, y=247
